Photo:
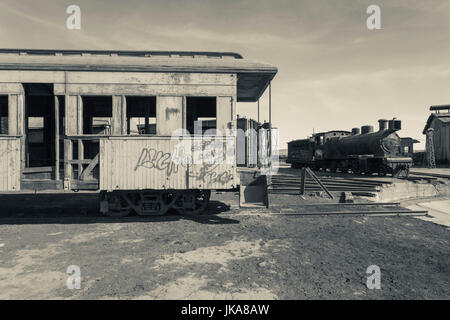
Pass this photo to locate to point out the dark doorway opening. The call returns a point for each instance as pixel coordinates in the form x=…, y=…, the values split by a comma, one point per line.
x=39, y=125
x=4, y=114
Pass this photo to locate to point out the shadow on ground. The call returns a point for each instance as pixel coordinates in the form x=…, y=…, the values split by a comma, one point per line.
x=83, y=208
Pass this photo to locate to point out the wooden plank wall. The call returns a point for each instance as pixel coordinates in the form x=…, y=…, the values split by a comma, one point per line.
x=170, y=88
x=10, y=164
x=224, y=114
x=441, y=140
x=133, y=163
x=169, y=115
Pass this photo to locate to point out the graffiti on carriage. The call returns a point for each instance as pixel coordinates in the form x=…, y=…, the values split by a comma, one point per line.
x=205, y=157
x=209, y=174
x=151, y=158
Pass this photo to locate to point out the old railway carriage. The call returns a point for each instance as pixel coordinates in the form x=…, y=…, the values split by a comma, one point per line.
x=103, y=121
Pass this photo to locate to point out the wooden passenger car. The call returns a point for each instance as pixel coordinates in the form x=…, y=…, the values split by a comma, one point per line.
x=104, y=121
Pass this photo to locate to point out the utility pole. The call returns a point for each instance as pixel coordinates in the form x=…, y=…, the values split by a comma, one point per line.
x=270, y=125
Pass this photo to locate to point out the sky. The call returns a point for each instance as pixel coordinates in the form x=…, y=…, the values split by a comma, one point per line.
x=334, y=73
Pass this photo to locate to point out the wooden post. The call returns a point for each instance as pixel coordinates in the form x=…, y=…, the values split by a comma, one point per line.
x=56, y=138
x=258, y=112
x=322, y=186
x=68, y=152
x=302, y=181
x=80, y=157
x=147, y=116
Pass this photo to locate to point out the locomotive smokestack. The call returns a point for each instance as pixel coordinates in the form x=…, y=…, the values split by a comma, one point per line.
x=395, y=124
x=366, y=129
x=382, y=124
x=356, y=131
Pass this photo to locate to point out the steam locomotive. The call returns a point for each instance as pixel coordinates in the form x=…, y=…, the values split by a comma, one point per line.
x=358, y=151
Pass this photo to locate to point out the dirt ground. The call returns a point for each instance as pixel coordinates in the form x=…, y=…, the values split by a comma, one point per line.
x=226, y=254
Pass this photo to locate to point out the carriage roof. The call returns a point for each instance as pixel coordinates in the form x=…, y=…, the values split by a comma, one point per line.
x=253, y=77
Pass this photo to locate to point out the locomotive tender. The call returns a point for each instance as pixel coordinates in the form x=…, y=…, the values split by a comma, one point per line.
x=105, y=122
x=362, y=151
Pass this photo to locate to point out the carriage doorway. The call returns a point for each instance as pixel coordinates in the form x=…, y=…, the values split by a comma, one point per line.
x=40, y=132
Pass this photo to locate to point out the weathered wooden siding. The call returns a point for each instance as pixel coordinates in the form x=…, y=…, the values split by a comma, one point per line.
x=146, y=90
x=215, y=166
x=73, y=117
x=129, y=164
x=441, y=140
x=169, y=115
x=224, y=114
x=135, y=163
x=119, y=115
x=125, y=83
x=16, y=114
x=138, y=78
x=10, y=164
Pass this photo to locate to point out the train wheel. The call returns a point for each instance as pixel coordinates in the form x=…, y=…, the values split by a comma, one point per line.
x=194, y=203
x=333, y=167
x=382, y=172
x=117, y=206
x=355, y=168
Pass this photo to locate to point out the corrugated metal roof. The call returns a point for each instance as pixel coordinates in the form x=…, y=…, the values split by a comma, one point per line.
x=443, y=117
x=253, y=77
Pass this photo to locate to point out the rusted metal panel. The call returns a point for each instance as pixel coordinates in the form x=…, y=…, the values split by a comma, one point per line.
x=134, y=163
x=10, y=164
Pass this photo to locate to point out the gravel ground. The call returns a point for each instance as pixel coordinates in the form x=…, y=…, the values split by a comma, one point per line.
x=226, y=254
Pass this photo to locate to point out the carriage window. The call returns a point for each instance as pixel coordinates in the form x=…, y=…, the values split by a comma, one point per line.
x=141, y=115
x=3, y=114
x=97, y=115
x=201, y=112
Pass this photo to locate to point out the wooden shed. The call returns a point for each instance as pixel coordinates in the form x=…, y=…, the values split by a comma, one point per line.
x=439, y=121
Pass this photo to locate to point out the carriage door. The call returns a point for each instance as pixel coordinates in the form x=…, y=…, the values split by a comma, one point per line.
x=40, y=134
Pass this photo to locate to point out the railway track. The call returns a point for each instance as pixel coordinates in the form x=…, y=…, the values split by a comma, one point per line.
x=290, y=184
x=382, y=209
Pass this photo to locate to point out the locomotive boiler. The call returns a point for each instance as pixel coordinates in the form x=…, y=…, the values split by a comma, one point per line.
x=362, y=151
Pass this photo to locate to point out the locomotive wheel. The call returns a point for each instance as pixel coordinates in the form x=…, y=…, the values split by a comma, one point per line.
x=200, y=203
x=333, y=167
x=355, y=168
x=118, y=206
x=382, y=172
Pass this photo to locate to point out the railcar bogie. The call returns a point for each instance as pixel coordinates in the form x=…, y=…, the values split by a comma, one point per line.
x=153, y=202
